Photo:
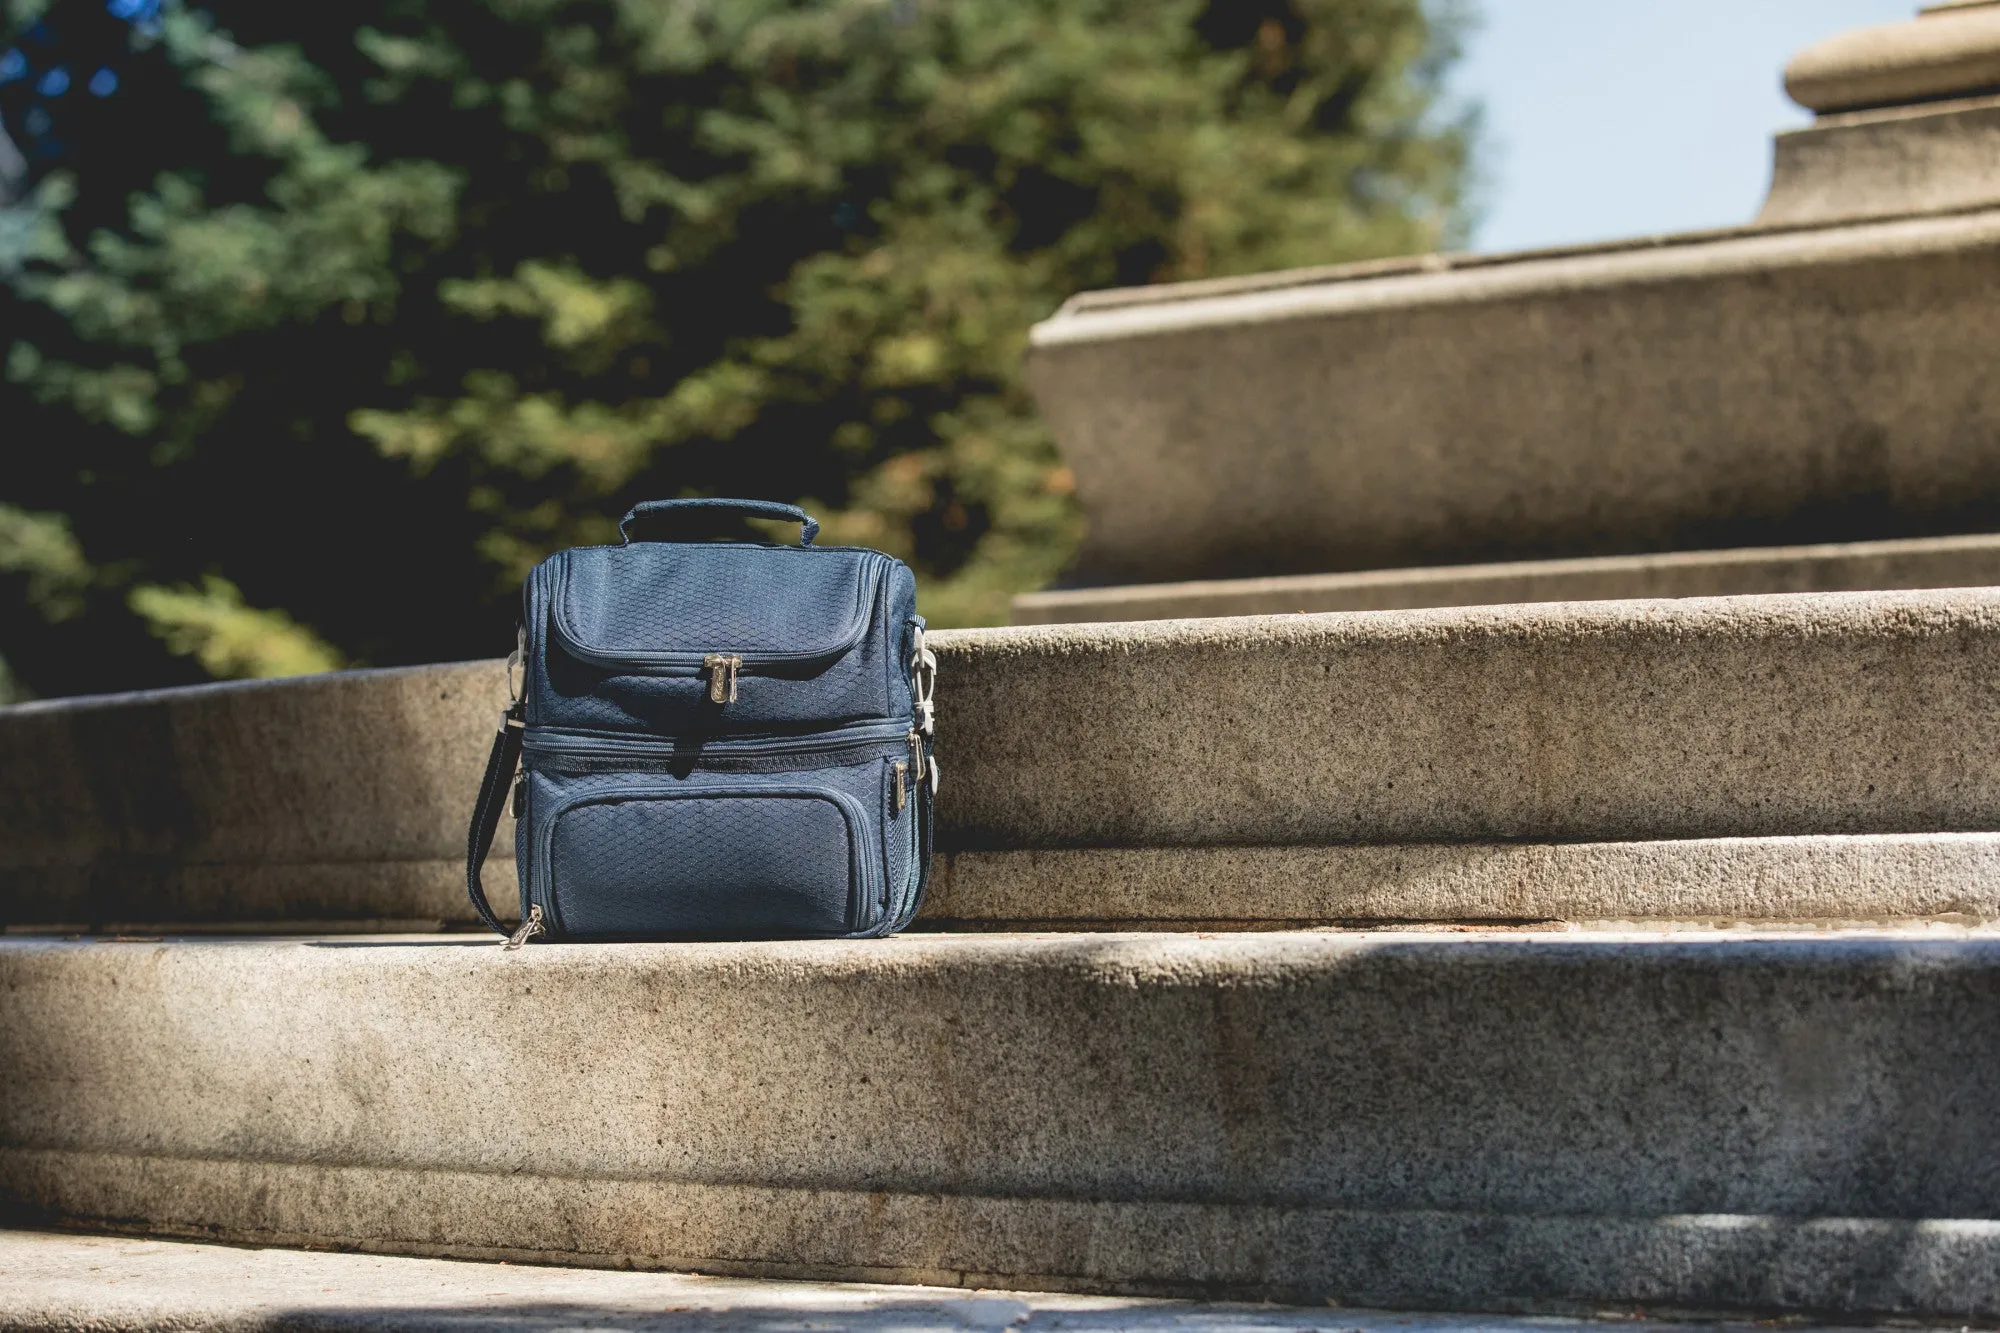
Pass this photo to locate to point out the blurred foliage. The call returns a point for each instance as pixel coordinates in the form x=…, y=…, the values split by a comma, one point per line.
x=323, y=323
x=211, y=625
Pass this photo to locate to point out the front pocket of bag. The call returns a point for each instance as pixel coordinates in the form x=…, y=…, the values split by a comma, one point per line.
x=629, y=637
x=646, y=859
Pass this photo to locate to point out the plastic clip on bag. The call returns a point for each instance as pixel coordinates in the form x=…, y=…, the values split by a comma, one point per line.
x=714, y=740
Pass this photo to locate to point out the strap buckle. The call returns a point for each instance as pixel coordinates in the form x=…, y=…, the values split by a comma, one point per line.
x=512, y=714
x=923, y=683
x=517, y=661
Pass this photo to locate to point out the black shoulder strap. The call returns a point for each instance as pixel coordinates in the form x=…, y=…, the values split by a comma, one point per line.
x=486, y=814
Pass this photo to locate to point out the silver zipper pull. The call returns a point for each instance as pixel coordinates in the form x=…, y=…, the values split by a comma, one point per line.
x=519, y=797
x=529, y=929
x=917, y=755
x=722, y=669
x=902, y=785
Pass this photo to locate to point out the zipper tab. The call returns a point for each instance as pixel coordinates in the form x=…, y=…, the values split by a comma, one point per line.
x=722, y=669
x=529, y=929
x=917, y=755
x=902, y=785
x=518, y=798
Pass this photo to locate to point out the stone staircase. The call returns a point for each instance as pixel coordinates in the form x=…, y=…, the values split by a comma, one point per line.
x=1686, y=1004
x=1570, y=957
x=1971, y=560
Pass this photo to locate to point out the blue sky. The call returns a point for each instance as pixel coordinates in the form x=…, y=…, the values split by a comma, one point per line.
x=1610, y=118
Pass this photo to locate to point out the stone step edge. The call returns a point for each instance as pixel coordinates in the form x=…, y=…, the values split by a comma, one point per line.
x=1213, y=435
x=1799, y=880
x=1795, y=880
x=1834, y=714
x=51, y=1281
x=1439, y=1123
x=1970, y=560
x=1749, y=1266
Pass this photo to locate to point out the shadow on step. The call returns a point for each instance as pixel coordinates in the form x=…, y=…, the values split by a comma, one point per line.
x=878, y=1314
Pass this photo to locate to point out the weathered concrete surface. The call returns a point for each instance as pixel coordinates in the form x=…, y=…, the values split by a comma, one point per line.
x=53, y=1283
x=1878, y=877
x=1932, y=158
x=1909, y=122
x=1923, y=562
x=1727, y=717
x=334, y=797
x=1874, y=878
x=1837, y=714
x=1750, y=388
x=1432, y=1122
x=1948, y=51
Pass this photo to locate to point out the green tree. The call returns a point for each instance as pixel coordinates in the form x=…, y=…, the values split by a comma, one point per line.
x=413, y=292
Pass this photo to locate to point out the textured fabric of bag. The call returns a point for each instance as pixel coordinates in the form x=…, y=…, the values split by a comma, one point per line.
x=729, y=862
x=721, y=740
x=610, y=629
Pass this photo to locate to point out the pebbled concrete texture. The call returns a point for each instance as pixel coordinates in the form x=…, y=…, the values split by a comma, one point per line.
x=95, y=1284
x=1730, y=717
x=334, y=797
x=1922, y=562
x=1868, y=877
x=1762, y=387
x=1509, y=1122
x=1832, y=715
x=1777, y=880
x=1933, y=158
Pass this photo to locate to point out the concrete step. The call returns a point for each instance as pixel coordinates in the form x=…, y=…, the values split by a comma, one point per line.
x=1819, y=384
x=1925, y=562
x=1710, y=1122
x=53, y=1283
x=1781, y=758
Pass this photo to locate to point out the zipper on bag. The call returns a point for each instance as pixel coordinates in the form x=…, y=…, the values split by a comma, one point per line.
x=722, y=669
x=594, y=752
x=530, y=928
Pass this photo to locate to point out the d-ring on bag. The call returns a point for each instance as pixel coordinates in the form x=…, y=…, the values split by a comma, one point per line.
x=720, y=740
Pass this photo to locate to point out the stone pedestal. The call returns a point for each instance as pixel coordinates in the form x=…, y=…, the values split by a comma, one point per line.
x=1820, y=376
x=1909, y=121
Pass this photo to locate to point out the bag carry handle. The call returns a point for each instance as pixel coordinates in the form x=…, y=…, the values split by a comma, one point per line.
x=743, y=508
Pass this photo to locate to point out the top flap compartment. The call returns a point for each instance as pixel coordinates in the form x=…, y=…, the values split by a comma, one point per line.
x=664, y=606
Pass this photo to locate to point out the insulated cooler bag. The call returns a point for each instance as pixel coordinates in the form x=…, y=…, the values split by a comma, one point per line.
x=714, y=740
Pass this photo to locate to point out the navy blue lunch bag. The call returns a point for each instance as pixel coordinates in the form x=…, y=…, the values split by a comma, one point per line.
x=715, y=739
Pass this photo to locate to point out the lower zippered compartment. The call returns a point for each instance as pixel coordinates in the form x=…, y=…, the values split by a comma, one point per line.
x=762, y=838
x=642, y=857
